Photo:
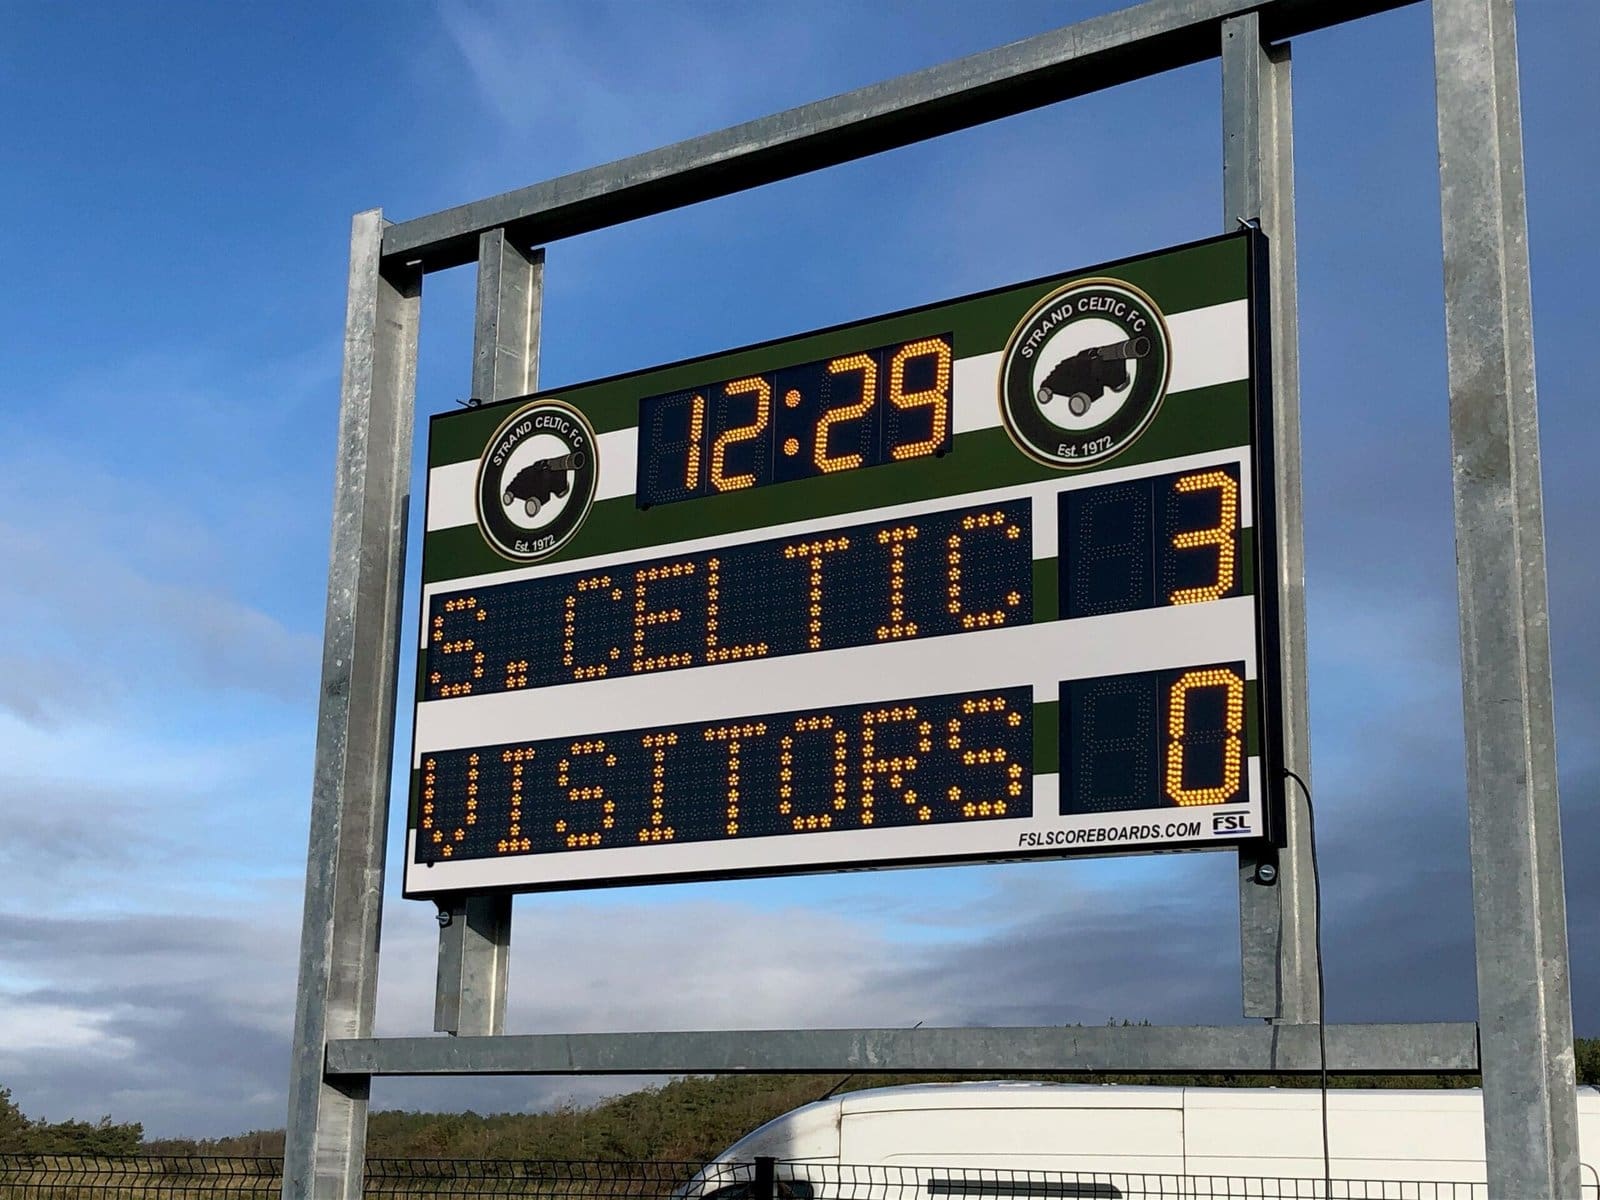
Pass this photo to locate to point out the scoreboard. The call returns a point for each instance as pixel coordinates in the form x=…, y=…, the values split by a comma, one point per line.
x=989, y=579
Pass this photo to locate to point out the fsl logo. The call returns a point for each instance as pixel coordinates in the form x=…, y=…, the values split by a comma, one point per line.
x=1230, y=822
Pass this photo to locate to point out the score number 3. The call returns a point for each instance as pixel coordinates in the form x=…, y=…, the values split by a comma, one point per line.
x=1220, y=535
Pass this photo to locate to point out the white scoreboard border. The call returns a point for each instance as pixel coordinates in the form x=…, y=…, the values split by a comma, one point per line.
x=1043, y=655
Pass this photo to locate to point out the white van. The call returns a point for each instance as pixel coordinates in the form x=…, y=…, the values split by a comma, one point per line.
x=1039, y=1139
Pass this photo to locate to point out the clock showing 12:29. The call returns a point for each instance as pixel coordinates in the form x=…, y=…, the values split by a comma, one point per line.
x=863, y=409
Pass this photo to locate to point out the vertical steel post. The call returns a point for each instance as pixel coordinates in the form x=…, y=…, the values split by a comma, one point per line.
x=475, y=944
x=1519, y=907
x=326, y=1133
x=1276, y=934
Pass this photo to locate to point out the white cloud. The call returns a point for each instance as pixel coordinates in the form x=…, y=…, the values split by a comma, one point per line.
x=49, y=1029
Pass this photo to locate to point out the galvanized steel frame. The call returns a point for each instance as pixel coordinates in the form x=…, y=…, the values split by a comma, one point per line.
x=475, y=931
x=1278, y=966
x=1146, y=1049
x=1517, y=878
x=355, y=722
x=1513, y=813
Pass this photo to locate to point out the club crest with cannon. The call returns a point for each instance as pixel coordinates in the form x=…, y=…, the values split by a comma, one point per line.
x=536, y=482
x=1084, y=373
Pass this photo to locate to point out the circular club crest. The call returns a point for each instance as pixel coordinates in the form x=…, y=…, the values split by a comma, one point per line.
x=536, y=480
x=1084, y=373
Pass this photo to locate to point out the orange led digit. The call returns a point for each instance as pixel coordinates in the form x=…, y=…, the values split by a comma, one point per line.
x=936, y=398
x=697, y=426
x=1232, y=746
x=806, y=419
x=827, y=461
x=1221, y=535
x=740, y=433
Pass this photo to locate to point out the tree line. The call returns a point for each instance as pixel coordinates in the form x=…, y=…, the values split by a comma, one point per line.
x=685, y=1120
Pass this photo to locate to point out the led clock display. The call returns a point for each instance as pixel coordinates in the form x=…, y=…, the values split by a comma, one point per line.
x=863, y=409
x=661, y=611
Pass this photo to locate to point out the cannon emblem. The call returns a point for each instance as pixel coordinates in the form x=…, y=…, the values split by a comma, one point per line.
x=1087, y=375
x=538, y=482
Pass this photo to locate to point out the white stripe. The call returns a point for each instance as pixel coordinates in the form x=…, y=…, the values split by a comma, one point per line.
x=1209, y=346
x=1044, y=519
x=450, y=488
x=1043, y=655
x=450, y=495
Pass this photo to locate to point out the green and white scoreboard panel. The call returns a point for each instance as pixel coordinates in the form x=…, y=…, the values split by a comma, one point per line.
x=990, y=579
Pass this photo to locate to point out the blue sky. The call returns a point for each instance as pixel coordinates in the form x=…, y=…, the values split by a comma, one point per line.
x=176, y=184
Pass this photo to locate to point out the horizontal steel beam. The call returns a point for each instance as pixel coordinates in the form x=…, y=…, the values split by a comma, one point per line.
x=1119, y=47
x=1144, y=1049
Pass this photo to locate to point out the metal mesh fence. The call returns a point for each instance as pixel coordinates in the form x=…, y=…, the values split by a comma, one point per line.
x=179, y=1177
x=805, y=1181
x=146, y=1177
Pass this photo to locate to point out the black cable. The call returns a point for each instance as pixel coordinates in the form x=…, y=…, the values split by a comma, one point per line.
x=1322, y=1028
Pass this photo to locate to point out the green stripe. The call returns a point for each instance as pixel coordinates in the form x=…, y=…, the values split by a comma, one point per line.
x=1178, y=280
x=1195, y=422
x=1046, y=738
x=1046, y=589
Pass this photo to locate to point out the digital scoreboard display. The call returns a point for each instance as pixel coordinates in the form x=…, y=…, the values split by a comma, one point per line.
x=986, y=580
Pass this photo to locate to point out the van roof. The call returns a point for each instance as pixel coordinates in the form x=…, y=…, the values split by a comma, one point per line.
x=1008, y=1093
